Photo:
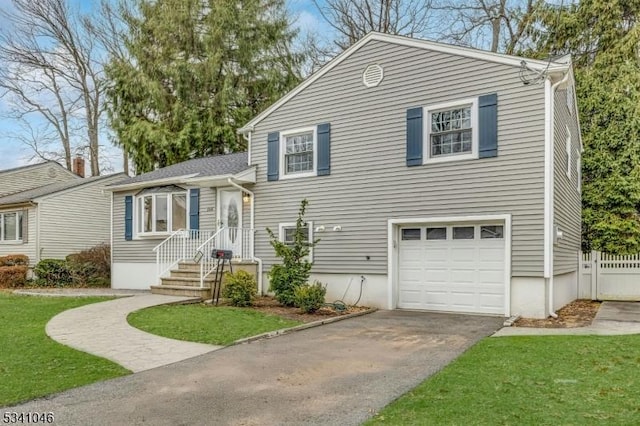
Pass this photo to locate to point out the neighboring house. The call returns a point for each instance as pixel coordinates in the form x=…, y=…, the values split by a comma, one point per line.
x=54, y=220
x=33, y=176
x=438, y=178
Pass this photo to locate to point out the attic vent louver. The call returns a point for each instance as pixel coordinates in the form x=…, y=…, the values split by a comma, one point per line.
x=373, y=75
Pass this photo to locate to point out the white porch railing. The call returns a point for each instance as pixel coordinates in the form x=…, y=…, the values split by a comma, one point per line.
x=238, y=240
x=179, y=246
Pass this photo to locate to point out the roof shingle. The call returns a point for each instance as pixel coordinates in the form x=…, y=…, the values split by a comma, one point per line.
x=218, y=165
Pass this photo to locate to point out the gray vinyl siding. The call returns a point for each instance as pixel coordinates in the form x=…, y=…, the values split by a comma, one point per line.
x=27, y=248
x=567, y=200
x=370, y=182
x=140, y=250
x=33, y=177
x=75, y=220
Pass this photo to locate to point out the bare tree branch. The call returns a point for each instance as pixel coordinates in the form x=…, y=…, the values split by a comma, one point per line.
x=353, y=19
x=498, y=25
x=48, y=42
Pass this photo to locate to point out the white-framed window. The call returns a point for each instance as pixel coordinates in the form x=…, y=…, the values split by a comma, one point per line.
x=570, y=103
x=161, y=212
x=287, y=235
x=11, y=226
x=298, y=153
x=579, y=171
x=436, y=232
x=451, y=131
x=568, y=150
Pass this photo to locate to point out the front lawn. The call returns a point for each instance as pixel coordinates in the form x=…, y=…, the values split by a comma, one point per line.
x=542, y=380
x=217, y=325
x=33, y=365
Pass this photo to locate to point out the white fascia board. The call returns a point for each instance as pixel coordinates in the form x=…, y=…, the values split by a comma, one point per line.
x=21, y=205
x=246, y=176
x=148, y=183
x=392, y=283
x=515, y=61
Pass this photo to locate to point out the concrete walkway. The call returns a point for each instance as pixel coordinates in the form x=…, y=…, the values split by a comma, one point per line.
x=102, y=329
x=613, y=318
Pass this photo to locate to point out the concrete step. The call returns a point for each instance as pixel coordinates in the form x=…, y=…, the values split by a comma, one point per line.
x=184, y=273
x=177, y=290
x=189, y=266
x=185, y=281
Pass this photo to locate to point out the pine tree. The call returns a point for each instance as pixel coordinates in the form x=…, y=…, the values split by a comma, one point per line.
x=604, y=38
x=198, y=70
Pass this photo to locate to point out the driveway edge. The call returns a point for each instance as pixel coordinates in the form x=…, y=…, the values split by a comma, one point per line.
x=283, y=331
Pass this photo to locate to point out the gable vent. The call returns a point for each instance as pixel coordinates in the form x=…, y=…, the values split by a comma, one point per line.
x=373, y=75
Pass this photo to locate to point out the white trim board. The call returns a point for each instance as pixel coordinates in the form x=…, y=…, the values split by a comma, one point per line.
x=393, y=226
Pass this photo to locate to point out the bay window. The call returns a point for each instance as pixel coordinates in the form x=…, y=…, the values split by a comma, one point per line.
x=161, y=210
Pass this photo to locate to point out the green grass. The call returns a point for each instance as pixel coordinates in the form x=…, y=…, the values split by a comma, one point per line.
x=33, y=365
x=217, y=325
x=551, y=380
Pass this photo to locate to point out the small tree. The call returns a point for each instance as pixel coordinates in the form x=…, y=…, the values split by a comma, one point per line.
x=295, y=268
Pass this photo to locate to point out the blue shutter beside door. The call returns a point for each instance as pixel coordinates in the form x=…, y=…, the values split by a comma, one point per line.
x=273, y=156
x=128, y=218
x=324, y=149
x=488, y=126
x=194, y=209
x=414, y=136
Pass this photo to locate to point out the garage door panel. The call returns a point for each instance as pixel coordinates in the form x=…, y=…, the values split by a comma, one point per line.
x=452, y=275
x=458, y=276
x=436, y=255
x=436, y=299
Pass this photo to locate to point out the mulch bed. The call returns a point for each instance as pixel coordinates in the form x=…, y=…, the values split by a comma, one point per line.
x=269, y=305
x=579, y=313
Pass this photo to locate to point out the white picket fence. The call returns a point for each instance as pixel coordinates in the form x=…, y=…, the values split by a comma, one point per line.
x=610, y=277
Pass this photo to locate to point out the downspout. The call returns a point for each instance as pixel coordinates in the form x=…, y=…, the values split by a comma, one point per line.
x=550, y=90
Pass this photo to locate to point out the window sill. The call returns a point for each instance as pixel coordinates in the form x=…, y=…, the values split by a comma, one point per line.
x=451, y=158
x=12, y=243
x=153, y=236
x=299, y=175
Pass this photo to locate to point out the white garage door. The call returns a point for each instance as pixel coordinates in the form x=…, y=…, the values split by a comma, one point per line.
x=458, y=268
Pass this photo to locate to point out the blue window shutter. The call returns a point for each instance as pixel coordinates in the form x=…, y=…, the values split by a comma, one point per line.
x=273, y=156
x=194, y=209
x=488, y=125
x=128, y=218
x=324, y=149
x=414, y=136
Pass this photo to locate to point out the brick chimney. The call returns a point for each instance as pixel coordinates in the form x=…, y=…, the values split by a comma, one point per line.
x=78, y=166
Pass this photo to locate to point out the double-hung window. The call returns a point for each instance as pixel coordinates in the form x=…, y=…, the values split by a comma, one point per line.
x=11, y=226
x=288, y=234
x=452, y=132
x=161, y=210
x=298, y=150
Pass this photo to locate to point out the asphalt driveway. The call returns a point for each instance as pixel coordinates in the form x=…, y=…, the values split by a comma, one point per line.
x=340, y=373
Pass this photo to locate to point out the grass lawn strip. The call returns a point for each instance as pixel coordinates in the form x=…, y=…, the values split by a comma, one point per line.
x=568, y=380
x=31, y=364
x=219, y=325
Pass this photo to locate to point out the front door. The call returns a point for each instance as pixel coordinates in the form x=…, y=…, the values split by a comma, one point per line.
x=230, y=217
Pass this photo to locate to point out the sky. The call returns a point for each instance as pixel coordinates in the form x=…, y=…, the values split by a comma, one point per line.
x=14, y=153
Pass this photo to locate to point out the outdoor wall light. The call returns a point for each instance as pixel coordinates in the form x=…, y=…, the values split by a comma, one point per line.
x=337, y=228
x=246, y=197
x=320, y=228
